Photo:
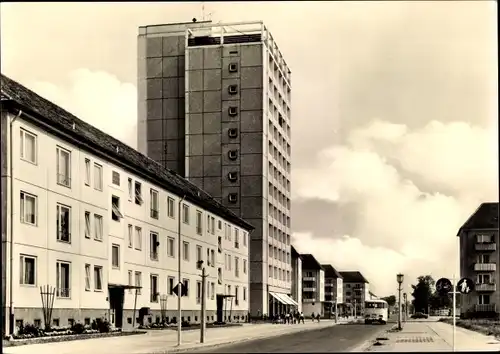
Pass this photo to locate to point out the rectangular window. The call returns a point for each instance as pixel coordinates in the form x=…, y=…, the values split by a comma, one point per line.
x=28, y=146
x=170, y=285
x=244, y=239
x=212, y=258
x=236, y=295
x=483, y=279
x=98, y=177
x=208, y=256
x=130, y=276
x=219, y=244
x=130, y=190
x=244, y=294
x=98, y=278
x=154, y=245
x=154, y=288
x=98, y=227
x=185, y=282
x=115, y=208
x=185, y=214
x=28, y=270
x=115, y=256
x=236, y=238
x=198, y=222
x=199, y=256
x=229, y=262
x=483, y=258
x=236, y=266
x=244, y=266
x=115, y=178
x=63, y=279
x=481, y=238
x=87, y=224
x=63, y=167
x=130, y=236
x=212, y=226
x=28, y=208
x=198, y=291
x=154, y=203
x=87, y=172
x=138, y=282
x=170, y=246
x=229, y=232
x=212, y=292
x=219, y=224
x=138, y=193
x=484, y=299
x=63, y=223
x=170, y=207
x=138, y=238
x=185, y=251
x=87, y=277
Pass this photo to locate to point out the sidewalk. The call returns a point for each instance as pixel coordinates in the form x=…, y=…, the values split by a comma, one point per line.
x=165, y=341
x=432, y=337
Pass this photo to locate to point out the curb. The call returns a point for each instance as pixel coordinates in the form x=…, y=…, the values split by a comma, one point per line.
x=363, y=347
x=234, y=341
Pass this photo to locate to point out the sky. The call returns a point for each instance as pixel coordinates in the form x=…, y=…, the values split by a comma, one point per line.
x=394, y=112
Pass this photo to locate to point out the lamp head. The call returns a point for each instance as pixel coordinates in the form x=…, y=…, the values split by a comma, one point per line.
x=400, y=278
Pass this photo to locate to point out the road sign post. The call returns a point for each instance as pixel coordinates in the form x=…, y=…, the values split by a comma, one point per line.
x=454, y=311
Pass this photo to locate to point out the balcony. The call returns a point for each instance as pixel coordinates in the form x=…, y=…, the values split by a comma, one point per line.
x=486, y=308
x=486, y=287
x=485, y=246
x=308, y=300
x=485, y=267
x=309, y=278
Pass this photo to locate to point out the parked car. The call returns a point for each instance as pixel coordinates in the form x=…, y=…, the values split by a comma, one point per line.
x=418, y=315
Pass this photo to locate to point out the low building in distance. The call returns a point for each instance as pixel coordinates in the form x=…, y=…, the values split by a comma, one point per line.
x=296, y=278
x=356, y=290
x=479, y=261
x=94, y=220
x=313, y=286
x=334, y=293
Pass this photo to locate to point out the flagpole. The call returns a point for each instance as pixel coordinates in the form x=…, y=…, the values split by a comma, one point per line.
x=454, y=309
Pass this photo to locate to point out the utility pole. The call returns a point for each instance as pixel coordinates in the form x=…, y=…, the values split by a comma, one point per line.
x=203, y=305
x=400, y=278
x=179, y=274
x=355, y=309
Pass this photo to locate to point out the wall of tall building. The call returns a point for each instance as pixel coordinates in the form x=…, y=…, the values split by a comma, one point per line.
x=220, y=116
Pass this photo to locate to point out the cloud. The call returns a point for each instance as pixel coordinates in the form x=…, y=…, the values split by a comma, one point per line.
x=99, y=99
x=399, y=226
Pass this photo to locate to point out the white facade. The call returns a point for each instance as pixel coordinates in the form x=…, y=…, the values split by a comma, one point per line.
x=90, y=250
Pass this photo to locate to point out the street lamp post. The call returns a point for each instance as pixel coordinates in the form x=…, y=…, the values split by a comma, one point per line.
x=405, y=301
x=179, y=270
x=399, y=278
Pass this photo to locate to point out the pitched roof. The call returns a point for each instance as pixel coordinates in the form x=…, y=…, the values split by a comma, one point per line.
x=353, y=277
x=294, y=252
x=485, y=217
x=50, y=117
x=309, y=262
x=330, y=272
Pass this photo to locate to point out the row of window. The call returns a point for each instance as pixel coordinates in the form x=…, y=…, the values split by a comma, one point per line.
x=280, y=197
x=28, y=275
x=279, y=274
x=228, y=264
x=274, y=152
x=273, y=172
x=154, y=288
x=277, y=214
x=280, y=254
x=279, y=235
x=482, y=238
x=29, y=153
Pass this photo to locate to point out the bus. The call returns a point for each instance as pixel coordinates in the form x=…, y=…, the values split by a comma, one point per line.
x=376, y=311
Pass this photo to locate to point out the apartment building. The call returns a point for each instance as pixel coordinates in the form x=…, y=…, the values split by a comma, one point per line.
x=479, y=261
x=214, y=106
x=356, y=290
x=313, y=286
x=99, y=223
x=296, y=278
x=334, y=293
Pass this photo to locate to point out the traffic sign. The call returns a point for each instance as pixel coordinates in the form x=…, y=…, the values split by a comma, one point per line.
x=180, y=287
x=444, y=286
x=465, y=285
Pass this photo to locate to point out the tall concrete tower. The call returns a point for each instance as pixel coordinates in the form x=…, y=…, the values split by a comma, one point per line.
x=214, y=106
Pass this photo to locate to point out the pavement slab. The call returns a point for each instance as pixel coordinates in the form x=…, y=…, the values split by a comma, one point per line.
x=433, y=337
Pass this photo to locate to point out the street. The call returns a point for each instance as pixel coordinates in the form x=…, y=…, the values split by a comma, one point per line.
x=327, y=340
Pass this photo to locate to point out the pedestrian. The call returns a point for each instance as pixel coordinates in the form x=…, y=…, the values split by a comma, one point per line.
x=302, y=317
x=313, y=316
x=318, y=317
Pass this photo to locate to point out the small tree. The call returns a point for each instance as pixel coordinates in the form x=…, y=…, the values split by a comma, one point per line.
x=48, y=294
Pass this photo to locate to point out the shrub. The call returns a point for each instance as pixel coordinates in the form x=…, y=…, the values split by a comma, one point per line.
x=78, y=328
x=185, y=324
x=101, y=325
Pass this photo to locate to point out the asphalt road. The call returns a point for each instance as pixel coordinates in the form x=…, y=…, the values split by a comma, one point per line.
x=340, y=338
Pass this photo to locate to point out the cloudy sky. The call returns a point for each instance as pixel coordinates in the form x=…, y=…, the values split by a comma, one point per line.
x=394, y=124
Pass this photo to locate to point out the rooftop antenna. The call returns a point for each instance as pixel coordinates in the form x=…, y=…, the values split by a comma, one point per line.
x=209, y=15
